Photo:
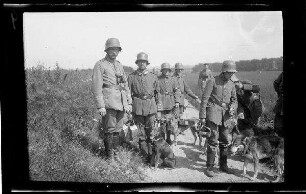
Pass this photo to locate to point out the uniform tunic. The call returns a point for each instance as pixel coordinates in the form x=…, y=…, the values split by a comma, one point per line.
x=105, y=86
x=169, y=92
x=218, y=97
x=184, y=88
x=144, y=91
x=110, y=93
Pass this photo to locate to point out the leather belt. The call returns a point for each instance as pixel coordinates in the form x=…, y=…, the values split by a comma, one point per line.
x=167, y=93
x=117, y=87
x=143, y=97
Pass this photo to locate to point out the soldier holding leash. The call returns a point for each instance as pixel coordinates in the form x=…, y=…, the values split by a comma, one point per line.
x=218, y=105
x=183, y=87
x=144, y=90
x=169, y=100
x=112, y=95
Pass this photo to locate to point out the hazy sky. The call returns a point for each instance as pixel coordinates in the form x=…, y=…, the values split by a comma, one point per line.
x=77, y=40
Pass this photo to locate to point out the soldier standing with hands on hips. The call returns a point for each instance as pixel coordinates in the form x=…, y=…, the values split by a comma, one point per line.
x=112, y=96
x=144, y=91
x=218, y=105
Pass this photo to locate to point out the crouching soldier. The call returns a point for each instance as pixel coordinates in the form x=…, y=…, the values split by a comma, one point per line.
x=250, y=106
x=169, y=100
x=112, y=96
x=184, y=88
x=144, y=91
x=218, y=105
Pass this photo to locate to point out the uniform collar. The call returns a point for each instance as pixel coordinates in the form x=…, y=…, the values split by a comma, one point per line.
x=145, y=72
x=177, y=75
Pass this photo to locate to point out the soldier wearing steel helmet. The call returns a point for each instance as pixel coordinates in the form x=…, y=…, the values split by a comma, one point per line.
x=144, y=90
x=183, y=87
x=168, y=101
x=218, y=105
x=112, y=96
x=204, y=75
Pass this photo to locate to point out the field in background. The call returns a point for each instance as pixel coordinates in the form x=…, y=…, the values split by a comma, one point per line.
x=60, y=99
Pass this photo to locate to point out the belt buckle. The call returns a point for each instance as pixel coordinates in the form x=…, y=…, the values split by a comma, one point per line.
x=144, y=97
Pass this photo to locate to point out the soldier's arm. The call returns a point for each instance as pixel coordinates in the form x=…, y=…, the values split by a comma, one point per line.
x=97, y=83
x=176, y=91
x=233, y=100
x=156, y=90
x=189, y=91
x=200, y=81
x=129, y=80
x=127, y=88
x=205, y=97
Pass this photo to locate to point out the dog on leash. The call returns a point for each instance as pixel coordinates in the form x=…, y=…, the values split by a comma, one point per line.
x=162, y=150
x=264, y=147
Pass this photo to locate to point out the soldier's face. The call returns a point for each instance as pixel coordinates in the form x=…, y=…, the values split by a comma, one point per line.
x=179, y=71
x=113, y=52
x=142, y=65
x=228, y=75
x=166, y=72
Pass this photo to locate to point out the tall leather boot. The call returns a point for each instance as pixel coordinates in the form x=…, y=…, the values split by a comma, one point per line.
x=223, y=161
x=116, y=144
x=210, y=163
x=108, y=144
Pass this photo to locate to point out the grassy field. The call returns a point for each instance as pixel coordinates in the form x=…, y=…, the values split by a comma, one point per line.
x=62, y=100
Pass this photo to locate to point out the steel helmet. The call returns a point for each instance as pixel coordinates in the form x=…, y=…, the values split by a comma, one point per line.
x=112, y=42
x=165, y=66
x=142, y=56
x=179, y=66
x=206, y=65
x=229, y=66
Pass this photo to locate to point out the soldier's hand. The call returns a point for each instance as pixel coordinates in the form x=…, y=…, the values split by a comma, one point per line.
x=102, y=111
x=203, y=121
x=129, y=109
x=231, y=111
x=158, y=116
x=198, y=100
x=177, y=104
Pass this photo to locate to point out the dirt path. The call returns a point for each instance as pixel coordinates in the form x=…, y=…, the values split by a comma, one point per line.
x=191, y=163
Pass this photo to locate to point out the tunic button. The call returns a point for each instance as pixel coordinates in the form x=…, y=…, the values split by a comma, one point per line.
x=223, y=105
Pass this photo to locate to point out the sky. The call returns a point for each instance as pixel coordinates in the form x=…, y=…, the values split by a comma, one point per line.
x=77, y=40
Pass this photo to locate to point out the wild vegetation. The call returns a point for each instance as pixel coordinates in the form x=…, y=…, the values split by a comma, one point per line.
x=59, y=101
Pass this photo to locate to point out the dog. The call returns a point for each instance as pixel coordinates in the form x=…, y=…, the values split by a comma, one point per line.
x=162, y=150
x=172, y=123
x=259, y=147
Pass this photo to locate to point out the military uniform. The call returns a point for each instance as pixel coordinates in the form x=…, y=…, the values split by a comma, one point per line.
x=169, y=94
x=218, y=97
x=278, y=109
x=144, y=91
x=204, y=75
x=184, y=88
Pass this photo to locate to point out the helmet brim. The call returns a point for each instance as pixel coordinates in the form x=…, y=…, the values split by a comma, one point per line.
x=120, y=49
x=143, y=60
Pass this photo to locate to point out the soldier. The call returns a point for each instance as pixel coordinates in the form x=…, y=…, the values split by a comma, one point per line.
x=183, y=87
x=112, y=96
x=144, y=90
x=250, y=106
x=218, y=105
x=278, y=109
x=203, y=76
x=169, y=100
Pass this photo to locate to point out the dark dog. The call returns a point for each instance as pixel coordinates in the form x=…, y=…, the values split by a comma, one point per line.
x=162, y=150
x=264, y=147
x=171, y=123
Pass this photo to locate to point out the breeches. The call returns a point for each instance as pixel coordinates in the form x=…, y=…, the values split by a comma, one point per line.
x=145, y=124
x=113, y=121
x=219, y=137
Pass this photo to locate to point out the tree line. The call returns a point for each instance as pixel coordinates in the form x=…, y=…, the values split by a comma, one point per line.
x=271, y=64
